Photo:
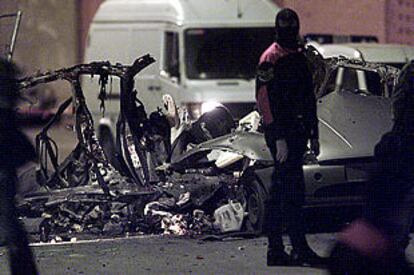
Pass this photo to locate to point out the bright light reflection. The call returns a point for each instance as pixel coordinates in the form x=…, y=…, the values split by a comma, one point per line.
x=209, y=106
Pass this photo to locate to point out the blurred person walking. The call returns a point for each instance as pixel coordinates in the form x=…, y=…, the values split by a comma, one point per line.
x=15, y=150
x=286, y=101
x=376, y=243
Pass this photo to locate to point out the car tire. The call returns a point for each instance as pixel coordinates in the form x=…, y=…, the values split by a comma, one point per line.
x=255, y=198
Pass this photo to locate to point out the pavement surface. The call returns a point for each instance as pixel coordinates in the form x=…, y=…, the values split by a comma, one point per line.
x=167, y=255
x=163, y=255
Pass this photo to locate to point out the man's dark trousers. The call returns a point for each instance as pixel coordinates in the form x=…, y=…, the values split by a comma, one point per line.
x=21, y=258
x=287, y=195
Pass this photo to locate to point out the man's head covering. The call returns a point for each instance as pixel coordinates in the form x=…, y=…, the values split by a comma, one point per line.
x=287, y=27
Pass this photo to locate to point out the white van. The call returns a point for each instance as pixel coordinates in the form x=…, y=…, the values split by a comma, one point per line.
x=206, y=51
x=364, y=81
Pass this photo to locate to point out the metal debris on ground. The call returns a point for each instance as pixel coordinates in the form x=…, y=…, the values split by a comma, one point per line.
x=86, y=193
x=210, y=180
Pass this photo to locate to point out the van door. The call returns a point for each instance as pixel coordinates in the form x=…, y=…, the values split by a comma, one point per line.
x=124, y=43
x=146, y=39
x=170, y=75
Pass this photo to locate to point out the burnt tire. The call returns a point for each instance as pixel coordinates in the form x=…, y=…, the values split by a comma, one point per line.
x=255, y=198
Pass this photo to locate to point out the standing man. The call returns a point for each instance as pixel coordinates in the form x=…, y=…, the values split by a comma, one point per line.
x=15, y=150
x=285, y=98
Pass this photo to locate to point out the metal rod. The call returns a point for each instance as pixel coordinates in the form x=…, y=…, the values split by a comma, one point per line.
x=8, y=15
x=14, y=36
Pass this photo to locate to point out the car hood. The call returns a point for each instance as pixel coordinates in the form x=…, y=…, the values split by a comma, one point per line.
x=351, y=124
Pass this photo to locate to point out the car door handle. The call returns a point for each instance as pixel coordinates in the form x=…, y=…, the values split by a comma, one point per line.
x=154, y=88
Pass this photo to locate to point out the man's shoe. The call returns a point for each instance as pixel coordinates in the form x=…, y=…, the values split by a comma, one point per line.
x=309, y=258
x=279, y=258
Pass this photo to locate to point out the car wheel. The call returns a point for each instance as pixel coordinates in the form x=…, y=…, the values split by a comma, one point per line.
x=255, y=198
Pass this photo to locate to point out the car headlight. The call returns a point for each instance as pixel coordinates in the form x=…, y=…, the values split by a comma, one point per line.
x=209, y=106
x=195, y=110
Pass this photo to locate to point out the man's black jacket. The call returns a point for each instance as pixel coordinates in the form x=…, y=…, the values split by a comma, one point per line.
x=291, y=98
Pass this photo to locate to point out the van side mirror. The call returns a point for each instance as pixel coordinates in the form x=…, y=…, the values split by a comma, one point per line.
x=171, y=76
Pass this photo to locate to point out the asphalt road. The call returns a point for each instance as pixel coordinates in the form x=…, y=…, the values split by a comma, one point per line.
x=163, y=255
x=167, y=255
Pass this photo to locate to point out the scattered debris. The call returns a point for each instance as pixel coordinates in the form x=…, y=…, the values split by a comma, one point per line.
x=229, y=217
x=204, y=183
x=87, y=194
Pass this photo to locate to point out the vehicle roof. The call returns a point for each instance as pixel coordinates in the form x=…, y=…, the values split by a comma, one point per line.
x=188, y=11
x=371, y=52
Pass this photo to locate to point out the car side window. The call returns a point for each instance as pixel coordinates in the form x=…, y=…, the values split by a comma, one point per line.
x=350, y=80
x=171, y=55
x=374, y=85
x=331, y=82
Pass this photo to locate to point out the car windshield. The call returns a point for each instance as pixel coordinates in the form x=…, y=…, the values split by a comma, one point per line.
x=230, y=53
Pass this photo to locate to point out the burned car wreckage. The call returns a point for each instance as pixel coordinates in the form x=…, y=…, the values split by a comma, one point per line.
x=86, y=193
x=214, y=177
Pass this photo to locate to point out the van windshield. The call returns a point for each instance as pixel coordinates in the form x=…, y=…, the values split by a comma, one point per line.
x=226, y=52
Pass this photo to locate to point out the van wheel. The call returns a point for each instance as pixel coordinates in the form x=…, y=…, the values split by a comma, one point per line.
x=255, y=198
x=108, y=145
